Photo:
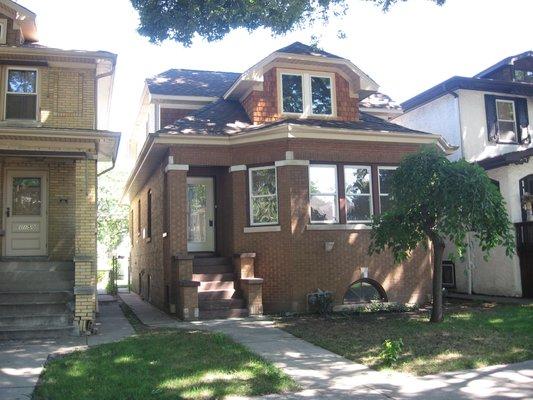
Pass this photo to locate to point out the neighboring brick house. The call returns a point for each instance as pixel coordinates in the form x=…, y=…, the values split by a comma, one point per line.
x=54, y=109
x=488, y=116
x=264, y=194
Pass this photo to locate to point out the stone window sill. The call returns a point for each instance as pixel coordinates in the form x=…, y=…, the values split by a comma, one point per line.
x=338, y=227
x=264, y=228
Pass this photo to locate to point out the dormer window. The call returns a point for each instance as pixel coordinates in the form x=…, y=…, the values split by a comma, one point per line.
x=21, y=94
x=522, y=75
x=306, y=94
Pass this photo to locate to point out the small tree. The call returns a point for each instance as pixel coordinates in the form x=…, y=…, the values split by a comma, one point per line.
x=112, y=213
x=434, y=199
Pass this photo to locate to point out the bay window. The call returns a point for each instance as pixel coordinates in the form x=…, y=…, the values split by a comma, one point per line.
x=385, y=174
x=263, y=196
x=358, y=192
x=307, y=94
x=323, y=193
x=21, y=94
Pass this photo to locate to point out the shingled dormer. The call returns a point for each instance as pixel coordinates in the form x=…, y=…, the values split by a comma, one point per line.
x=299, y=81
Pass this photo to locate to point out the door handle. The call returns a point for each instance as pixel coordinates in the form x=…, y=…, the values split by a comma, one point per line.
x=210, y=223
x=8, y=212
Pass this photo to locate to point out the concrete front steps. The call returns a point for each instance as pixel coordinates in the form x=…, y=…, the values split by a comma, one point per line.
x=217, y=295
x=36, y=299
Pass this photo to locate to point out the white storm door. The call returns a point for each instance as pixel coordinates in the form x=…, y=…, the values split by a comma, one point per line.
x=25, y=213
x=200, y=214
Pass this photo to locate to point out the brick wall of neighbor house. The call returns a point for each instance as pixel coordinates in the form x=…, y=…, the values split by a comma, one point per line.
x=262, y=106
x=169, y=115
x=61, y=204
x=12, y=35
x=293, y=262
x=66, y=96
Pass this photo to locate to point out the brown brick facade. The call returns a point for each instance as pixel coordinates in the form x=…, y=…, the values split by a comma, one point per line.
x=292, y=261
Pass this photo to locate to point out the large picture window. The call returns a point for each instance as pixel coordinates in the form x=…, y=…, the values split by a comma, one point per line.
x=323, y=193
x=307, y=94
x=358, y=192
x=385, y=174
x=263, y=196
x=21, y=94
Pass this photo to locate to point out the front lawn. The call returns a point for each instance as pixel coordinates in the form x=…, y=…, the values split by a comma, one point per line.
x=162, y=365
x=472, y=335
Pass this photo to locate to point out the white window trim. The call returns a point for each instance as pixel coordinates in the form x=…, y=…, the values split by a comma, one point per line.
x=306, y=93
x=379, y=184
x=498, y=120
x=251, y=196
x=3, y=32
x=360, y=221
x=336, y=220
x=36, y=94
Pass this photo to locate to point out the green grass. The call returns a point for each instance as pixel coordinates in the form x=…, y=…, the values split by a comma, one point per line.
x=471, y=336
x=162, y=365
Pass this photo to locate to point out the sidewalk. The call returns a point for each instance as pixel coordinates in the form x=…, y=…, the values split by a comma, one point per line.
x=21, y=362
x=326, y=375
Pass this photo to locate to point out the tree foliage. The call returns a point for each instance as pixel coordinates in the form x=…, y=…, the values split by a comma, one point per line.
x=112, y=214
x=435, y=199
x=181, y=20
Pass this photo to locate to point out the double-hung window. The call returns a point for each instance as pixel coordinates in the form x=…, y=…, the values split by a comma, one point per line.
x=506, y=120
x=21, y=94
x=263, y=196
x=323, y=193
x=358, y=192
x=307, y=94
x=385, y=175
x=149, y=214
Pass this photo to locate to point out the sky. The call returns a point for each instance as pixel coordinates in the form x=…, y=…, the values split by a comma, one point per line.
x=414, y=46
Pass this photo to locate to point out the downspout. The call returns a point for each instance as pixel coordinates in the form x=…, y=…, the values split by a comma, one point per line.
x=470, y=264
x=98, y=77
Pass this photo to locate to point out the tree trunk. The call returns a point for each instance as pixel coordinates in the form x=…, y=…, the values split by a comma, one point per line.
x=438, y=252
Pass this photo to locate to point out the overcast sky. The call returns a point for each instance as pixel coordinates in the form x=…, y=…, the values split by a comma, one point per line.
x=414, y=46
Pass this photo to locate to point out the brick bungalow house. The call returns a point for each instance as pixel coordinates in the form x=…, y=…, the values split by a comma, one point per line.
x=262, y=191
x=54, y=106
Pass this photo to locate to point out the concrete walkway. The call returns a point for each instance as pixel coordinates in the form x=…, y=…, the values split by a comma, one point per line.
x=326, y=375
x=21, y=362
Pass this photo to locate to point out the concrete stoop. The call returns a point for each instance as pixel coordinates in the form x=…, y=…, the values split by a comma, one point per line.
x=36, y=299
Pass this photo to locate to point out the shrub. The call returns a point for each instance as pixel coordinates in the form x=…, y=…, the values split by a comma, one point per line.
x=320, y=302
x=391, y=351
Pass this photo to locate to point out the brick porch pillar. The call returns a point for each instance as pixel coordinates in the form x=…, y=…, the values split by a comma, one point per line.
x=85, y=243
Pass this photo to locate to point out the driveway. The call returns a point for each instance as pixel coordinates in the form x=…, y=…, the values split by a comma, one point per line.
x=21, y=363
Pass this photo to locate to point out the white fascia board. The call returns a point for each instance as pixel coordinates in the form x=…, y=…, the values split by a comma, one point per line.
x=290, y=131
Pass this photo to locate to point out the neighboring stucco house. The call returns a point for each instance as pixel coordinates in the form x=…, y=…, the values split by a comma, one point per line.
x=488, y=117
x=54, y=109
x=262, y=191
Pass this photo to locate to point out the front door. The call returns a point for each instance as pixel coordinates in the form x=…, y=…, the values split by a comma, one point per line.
x=201, y=214
x=25, y=213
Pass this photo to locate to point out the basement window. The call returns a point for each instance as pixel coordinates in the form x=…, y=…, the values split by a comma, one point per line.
x=364, y=291
x=21, y=94
x=263, y=196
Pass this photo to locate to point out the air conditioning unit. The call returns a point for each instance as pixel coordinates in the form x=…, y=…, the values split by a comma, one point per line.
x=448, y=274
